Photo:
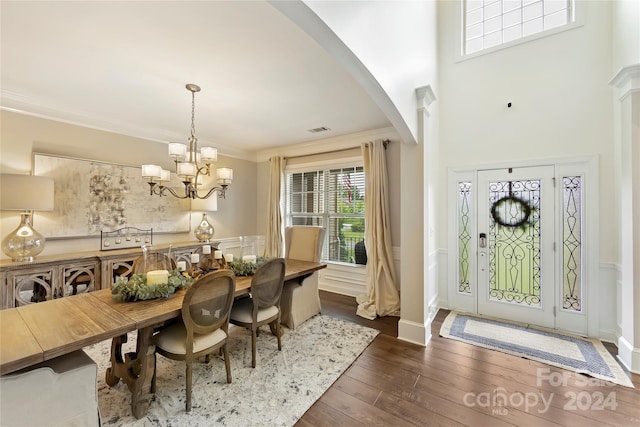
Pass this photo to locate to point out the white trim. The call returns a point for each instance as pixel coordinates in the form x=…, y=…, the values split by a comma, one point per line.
x=413, y=332
x=328, y=144
x=343, y=279
x=343, y=162
x=627, y=81
x=587, y=166
x=628, y=355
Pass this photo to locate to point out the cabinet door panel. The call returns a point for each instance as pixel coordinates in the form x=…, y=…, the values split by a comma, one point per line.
x=32, y=286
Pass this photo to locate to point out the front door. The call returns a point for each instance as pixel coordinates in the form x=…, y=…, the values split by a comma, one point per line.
x=516, y=244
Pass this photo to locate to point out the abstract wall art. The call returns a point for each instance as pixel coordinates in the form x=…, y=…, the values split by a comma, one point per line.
x=92, y=196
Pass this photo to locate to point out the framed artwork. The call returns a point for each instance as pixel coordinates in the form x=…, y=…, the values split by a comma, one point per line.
x=92, y=196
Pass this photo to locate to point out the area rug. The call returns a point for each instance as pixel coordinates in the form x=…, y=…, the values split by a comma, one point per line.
x=577, y=354
x=277, y=392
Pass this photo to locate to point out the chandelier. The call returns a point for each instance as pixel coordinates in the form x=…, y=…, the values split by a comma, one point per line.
x=191, y=165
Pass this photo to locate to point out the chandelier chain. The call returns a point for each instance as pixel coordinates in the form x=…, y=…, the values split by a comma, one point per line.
x=193, y=117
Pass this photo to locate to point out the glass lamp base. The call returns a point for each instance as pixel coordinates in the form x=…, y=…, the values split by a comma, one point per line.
x=24, y=243
x=204, y=230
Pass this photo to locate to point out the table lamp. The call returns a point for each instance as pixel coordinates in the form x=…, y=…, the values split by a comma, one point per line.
x=25, y=193
x=204, y=230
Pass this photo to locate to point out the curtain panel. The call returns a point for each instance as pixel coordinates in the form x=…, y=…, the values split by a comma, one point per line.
x=273, y=247
x=382, y=297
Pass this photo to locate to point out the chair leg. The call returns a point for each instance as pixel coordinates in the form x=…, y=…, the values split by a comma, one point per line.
x=278, y=334
x=188, y=379
x=253, y=346
x=227, y=363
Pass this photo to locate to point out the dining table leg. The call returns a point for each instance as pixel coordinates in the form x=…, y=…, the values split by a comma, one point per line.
x=135, y=369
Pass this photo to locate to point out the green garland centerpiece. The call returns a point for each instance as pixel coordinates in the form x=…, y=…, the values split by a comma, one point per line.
x=136, y=287
x=243, y=268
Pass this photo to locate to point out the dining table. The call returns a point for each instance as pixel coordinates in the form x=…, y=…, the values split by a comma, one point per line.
x=38, y=332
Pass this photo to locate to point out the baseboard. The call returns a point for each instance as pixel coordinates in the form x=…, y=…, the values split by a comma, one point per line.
x=608, y=335
x=348, y=289
x=413, y=332
x=628, y=355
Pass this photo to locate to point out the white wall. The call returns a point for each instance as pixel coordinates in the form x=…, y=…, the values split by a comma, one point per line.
x=21, y=135
x=393, y=40
x=561, y=103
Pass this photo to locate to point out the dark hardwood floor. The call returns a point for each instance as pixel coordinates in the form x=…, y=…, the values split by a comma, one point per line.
x=450, y=383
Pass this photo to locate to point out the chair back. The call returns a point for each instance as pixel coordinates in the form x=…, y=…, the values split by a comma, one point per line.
x=154, y=261
x=303, y=242
x=266, y=284
x=207, y=303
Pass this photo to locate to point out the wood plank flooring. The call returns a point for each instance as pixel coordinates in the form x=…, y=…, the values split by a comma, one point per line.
x=450, y=383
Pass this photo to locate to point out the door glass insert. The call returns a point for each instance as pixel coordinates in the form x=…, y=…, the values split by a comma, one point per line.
x=464, y=237
x=572, y=243
x=514, y=242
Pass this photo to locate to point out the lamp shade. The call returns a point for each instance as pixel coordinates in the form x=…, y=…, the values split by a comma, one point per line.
x=26, y=192
x=205, y=205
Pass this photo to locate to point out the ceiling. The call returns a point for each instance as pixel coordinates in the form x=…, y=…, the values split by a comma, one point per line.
x=123, y=66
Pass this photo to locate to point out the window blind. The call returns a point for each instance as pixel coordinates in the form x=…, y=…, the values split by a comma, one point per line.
x=332, y=198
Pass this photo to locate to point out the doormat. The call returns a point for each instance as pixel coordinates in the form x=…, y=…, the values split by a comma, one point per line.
x=583, y=355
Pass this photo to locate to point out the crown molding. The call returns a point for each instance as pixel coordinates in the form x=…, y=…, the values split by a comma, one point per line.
x=328, y=144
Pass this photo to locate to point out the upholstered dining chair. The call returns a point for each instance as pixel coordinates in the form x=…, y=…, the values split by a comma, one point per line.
x=204, y=328
x=300, y=297
x=263, y=307
x=155, y=261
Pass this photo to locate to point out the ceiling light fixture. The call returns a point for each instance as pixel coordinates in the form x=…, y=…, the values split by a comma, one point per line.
x=189, y=165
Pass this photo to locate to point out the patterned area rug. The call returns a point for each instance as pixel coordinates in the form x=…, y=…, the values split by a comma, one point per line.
x=277, y=392
x=577, y=354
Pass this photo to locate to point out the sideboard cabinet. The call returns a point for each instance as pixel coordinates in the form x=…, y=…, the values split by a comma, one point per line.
x=62, y=275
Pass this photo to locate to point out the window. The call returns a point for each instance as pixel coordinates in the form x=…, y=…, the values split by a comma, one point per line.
x=331, y=198
x=491, y=23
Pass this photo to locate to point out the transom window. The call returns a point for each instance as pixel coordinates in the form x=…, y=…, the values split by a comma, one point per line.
x=490, y=23
x=331, y=198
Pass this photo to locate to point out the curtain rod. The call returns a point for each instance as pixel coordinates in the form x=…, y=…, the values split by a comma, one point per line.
x=384, y=143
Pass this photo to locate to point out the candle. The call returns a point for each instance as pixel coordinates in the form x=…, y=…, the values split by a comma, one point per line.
x=228, y=257
x=217, y=254
x=206, y=249
x=157, y=277
x=249, y=258
x=195, y=258
x=182, y=265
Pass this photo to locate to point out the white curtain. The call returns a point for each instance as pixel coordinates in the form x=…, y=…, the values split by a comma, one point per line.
x=382, y=298
x=273, y=236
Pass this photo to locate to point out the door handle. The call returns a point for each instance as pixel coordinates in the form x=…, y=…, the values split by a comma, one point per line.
x=482, y=241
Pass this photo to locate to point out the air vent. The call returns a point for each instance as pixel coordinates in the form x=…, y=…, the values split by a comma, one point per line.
x=320, y=129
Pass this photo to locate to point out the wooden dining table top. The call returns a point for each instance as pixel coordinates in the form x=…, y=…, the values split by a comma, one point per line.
x=36, y=332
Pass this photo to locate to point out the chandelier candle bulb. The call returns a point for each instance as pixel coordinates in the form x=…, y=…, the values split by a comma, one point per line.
x=157, y=277
x=206, y=249
x=217, y=254
x=195, y=258
x=182, y=265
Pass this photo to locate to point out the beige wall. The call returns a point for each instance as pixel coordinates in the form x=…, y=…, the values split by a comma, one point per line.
x=20, y=135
